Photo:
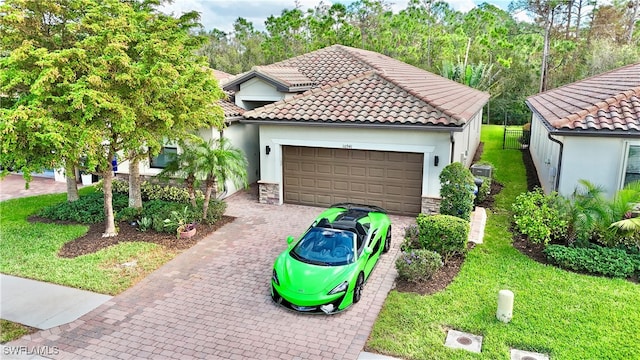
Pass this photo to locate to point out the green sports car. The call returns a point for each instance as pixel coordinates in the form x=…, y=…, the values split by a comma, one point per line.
x=326, y=269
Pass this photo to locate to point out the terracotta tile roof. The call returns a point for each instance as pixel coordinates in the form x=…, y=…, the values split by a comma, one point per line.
x=364, y=86
x=605, y=102
x=230, y=109
x=289, y=76
x=221, y=75
x=368, y=98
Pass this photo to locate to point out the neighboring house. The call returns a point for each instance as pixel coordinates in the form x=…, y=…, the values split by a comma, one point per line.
x=589, y=130
x=344, y=124
x=242, y=136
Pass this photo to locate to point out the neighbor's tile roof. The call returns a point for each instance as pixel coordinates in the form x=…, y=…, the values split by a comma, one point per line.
x=364, y=86
x=605, y=102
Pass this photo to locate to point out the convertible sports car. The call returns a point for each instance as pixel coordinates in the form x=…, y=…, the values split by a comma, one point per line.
x=326, y=269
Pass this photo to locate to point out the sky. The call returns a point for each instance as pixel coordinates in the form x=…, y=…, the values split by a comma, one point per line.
x=221, y=14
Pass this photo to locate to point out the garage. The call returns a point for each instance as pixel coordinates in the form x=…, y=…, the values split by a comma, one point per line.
x=324, y=176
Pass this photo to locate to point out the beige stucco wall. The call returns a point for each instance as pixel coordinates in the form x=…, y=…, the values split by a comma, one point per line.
x=242, y=136
x=597, y=159
x=430, y=144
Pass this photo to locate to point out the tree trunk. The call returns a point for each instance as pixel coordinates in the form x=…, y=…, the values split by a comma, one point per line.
x=632, y=19
x=135, y=193
x=109, y=222
x=189, y=183
x=72, y=184
x=545, y=53
x=207, y=198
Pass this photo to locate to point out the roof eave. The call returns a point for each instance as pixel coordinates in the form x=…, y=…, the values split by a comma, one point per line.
x=436, y=128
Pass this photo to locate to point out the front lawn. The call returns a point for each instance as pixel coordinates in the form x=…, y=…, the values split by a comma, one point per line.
x=563, y=314
x=30, y=250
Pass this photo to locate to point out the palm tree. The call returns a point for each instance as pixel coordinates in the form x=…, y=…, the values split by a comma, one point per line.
x=185, y=166
x=219, y=163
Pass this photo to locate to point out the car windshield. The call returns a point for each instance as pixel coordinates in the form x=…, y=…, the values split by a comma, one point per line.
x=328, y=247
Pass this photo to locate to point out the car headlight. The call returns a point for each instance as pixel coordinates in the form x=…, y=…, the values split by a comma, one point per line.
x=274, y=277
x=340, y=288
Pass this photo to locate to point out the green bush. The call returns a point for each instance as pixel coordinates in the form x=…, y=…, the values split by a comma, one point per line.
x=484, y=189
x=160, y=210
x=89, y=209
x=594, y=260
x=411, y=238
x=539, y=216
x=215, y=211
x=128, y=214
x=418, y=265
x=445, y=234
x=456, y=191
x=150, y=191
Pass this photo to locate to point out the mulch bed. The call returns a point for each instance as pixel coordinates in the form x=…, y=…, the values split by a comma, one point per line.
x=93, y=241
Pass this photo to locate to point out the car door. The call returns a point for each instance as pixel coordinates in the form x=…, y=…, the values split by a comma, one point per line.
x=374, y=244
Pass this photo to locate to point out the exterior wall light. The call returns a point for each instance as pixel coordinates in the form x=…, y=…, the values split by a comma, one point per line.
x=267, y=149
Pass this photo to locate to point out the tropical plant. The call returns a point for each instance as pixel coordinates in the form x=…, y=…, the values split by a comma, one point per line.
x=219, y=162
x=184, y=166
x=595, y=218
x=180, y=221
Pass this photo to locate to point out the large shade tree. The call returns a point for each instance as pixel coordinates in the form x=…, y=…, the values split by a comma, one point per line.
x=129, y=80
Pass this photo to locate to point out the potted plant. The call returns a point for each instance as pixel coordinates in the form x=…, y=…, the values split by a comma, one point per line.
x=87, y=179
x=180, y=220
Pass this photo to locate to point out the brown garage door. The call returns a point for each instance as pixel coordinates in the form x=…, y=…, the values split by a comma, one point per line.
x=320, y=176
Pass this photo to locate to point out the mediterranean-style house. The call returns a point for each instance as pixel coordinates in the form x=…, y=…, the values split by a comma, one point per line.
x=588, y=130
x=344, y=124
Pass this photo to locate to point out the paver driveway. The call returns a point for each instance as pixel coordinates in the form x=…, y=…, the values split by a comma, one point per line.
x=213, y=301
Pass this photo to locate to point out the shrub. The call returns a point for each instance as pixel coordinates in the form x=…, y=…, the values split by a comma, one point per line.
x=594, y=259
x=447, y=235
x=539, y=216
x=215, y=211
x=418, y=265
x=89, y=209
x=411, y=238
x=456, y=191
x=159, y=210
x=152, y=191
x=128, y=214
x=484, y=189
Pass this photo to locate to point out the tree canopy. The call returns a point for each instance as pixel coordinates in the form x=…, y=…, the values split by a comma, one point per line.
x=96, y=78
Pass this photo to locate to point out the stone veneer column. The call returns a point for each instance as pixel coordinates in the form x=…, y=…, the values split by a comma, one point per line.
x=430, y=205
x=269, y=193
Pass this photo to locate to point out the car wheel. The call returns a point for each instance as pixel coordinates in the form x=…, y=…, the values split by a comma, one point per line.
x=387, y=241
x=357, y=290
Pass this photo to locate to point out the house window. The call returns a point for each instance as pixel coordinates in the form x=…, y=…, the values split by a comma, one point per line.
x=632, y=171
x=165, y=155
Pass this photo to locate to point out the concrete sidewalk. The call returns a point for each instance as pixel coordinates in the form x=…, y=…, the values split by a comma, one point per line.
x=43, y=305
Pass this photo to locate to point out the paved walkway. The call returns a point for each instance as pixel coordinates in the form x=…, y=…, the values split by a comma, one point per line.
x=12, y=186
x=43, y=305
x=212, y=301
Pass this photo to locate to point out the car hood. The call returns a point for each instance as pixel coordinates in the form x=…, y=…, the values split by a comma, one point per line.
x=311, y=279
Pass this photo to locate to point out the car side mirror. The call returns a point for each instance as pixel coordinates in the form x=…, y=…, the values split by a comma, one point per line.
x=290, y=239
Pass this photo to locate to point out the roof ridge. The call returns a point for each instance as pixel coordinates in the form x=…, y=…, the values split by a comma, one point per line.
x=588, y=79
x=600, y=105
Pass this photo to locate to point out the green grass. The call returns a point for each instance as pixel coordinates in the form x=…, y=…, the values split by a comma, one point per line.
x=563, y=314
x=10, y=331
x=30, y=250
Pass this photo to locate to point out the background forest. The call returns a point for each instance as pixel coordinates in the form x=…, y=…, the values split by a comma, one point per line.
x=486, y=48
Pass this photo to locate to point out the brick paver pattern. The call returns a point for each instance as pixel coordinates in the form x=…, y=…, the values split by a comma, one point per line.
x=213, y=301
